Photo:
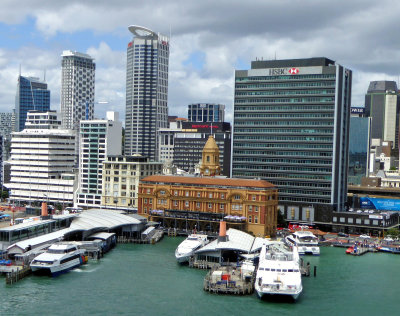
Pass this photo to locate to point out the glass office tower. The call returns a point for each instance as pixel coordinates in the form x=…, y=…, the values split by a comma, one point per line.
x=32, y=94
x=146, y=91
x=291, y=127
x=206, y=112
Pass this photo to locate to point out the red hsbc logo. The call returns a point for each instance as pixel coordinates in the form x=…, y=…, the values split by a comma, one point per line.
x=293, y=71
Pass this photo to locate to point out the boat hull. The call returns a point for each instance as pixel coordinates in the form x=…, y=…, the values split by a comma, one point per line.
x=56, y=269
x=294, y=295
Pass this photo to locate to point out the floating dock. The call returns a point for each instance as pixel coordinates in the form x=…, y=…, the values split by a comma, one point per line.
x=229, y=280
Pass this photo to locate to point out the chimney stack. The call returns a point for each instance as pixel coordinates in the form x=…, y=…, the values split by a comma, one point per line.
x=44, y=210
x=222, y=232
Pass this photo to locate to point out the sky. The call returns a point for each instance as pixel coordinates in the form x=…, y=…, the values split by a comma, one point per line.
x=209, y=40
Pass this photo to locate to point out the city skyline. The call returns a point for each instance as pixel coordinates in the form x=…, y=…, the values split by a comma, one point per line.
x=207, y=43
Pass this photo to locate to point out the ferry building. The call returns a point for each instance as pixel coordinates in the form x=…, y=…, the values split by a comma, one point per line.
x=200, y=202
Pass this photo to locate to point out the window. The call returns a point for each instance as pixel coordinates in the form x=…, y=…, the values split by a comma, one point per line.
x=250, y=219
x=198, y=194
x=253, y=197
x=186, y=203
x=176, y=193
x=210, y=195
x=209, y=205
x=187, y=193
x=250, y=207
x=256, y=208
x=150, y=200
x=222, y=195
x=198, y=204
x=145, y=210
x=175, y=203
x=145, y=201
x=162, y=192
x=222, y=206
x=148, y=190
x=237, y=197
x=255, y=219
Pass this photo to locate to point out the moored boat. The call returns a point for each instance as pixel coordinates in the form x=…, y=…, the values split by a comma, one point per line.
x=187, y=247
x=59, y=258
x=305, y=241
x=278, y=271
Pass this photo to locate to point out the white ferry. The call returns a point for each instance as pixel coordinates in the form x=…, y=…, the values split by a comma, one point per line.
x=59, y=258
x=278, y=271
x=305, y=241
x=187, y=247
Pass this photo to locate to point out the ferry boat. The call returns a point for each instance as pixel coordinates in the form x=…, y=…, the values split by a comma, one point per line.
x=278, y=271
x=59, y=258
x=305, y=241
x=187, y=247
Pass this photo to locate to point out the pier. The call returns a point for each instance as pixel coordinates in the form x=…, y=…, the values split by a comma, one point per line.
x=228, y=280
x=17, y=273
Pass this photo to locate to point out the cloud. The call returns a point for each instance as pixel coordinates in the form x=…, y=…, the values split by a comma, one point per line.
x=210, y=39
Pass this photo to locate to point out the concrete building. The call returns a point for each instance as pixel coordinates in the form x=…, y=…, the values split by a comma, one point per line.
x=42, y=160
x=189, y=144
x=98, y=139
x=201, y=202
x=146, y=91
x=206, y=112
x=32, y=94
x=167, y=140
x=77, y=88
x=121, y=175
x=382, y=105
x=7, y=126
x=291, y=127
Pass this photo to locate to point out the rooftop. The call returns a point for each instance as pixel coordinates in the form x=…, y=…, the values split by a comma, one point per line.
x=211, y=181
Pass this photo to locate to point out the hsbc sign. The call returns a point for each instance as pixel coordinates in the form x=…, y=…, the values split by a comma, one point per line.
x=283, y=71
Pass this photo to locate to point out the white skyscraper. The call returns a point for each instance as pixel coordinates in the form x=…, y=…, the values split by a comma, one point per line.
x=77, y=88
x=146, y=91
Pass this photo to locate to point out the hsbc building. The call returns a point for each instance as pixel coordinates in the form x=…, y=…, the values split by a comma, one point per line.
x=291, y=128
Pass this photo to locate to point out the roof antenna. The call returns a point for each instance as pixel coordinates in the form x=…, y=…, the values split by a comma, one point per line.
x=44, y=75
x=20, y=70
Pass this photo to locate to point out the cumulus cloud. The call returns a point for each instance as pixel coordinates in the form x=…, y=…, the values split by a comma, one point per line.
x=209, y=40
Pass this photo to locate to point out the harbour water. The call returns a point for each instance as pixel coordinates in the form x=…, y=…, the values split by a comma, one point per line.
x=146, y=280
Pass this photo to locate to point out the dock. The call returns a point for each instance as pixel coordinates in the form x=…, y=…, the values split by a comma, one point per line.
x=17, y=273
x=228, y=280
x=153, y=239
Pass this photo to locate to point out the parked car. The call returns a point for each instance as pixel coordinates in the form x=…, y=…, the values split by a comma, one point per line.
x=365, y=236
x=388, y=239
x=341, y=234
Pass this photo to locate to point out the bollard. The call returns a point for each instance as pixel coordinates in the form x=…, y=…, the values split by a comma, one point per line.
x=315, y=271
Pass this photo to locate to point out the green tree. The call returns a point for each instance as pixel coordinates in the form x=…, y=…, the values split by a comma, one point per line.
x=394, y=232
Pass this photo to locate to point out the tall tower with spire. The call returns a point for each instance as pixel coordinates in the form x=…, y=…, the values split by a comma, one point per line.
x=210, y=158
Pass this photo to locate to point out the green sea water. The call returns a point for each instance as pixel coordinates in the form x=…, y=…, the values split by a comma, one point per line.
x=146, y=280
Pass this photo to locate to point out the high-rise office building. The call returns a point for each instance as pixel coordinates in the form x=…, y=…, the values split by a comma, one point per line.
x=77, y=88
x=32, y=94
x=42, y=160
x=98, y=139
x=189, y=144
x=291, y=127
x=382, y=105
x=206, y=112
x=146, y=91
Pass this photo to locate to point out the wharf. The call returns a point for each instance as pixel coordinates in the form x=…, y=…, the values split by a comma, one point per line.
x=359, y=251
x=17, y=273
x=228, y=280
x=155, y=238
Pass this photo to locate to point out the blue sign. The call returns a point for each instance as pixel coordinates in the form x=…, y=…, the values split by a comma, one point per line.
x=380, y=204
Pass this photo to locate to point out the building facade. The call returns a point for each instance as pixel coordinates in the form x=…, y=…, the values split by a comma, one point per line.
x=32, y=94
x=98, y=139
x=42, y=160
x=189, y=202
x=291, y=127
x=189, y=144
x=382, y=105
x=77, y=88
x=206, y=112
x=359, y=145
x=167, y=140
x=146, y=91
x=121, y=175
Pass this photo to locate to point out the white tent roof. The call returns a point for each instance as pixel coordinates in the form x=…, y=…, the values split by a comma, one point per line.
x=99, y=218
